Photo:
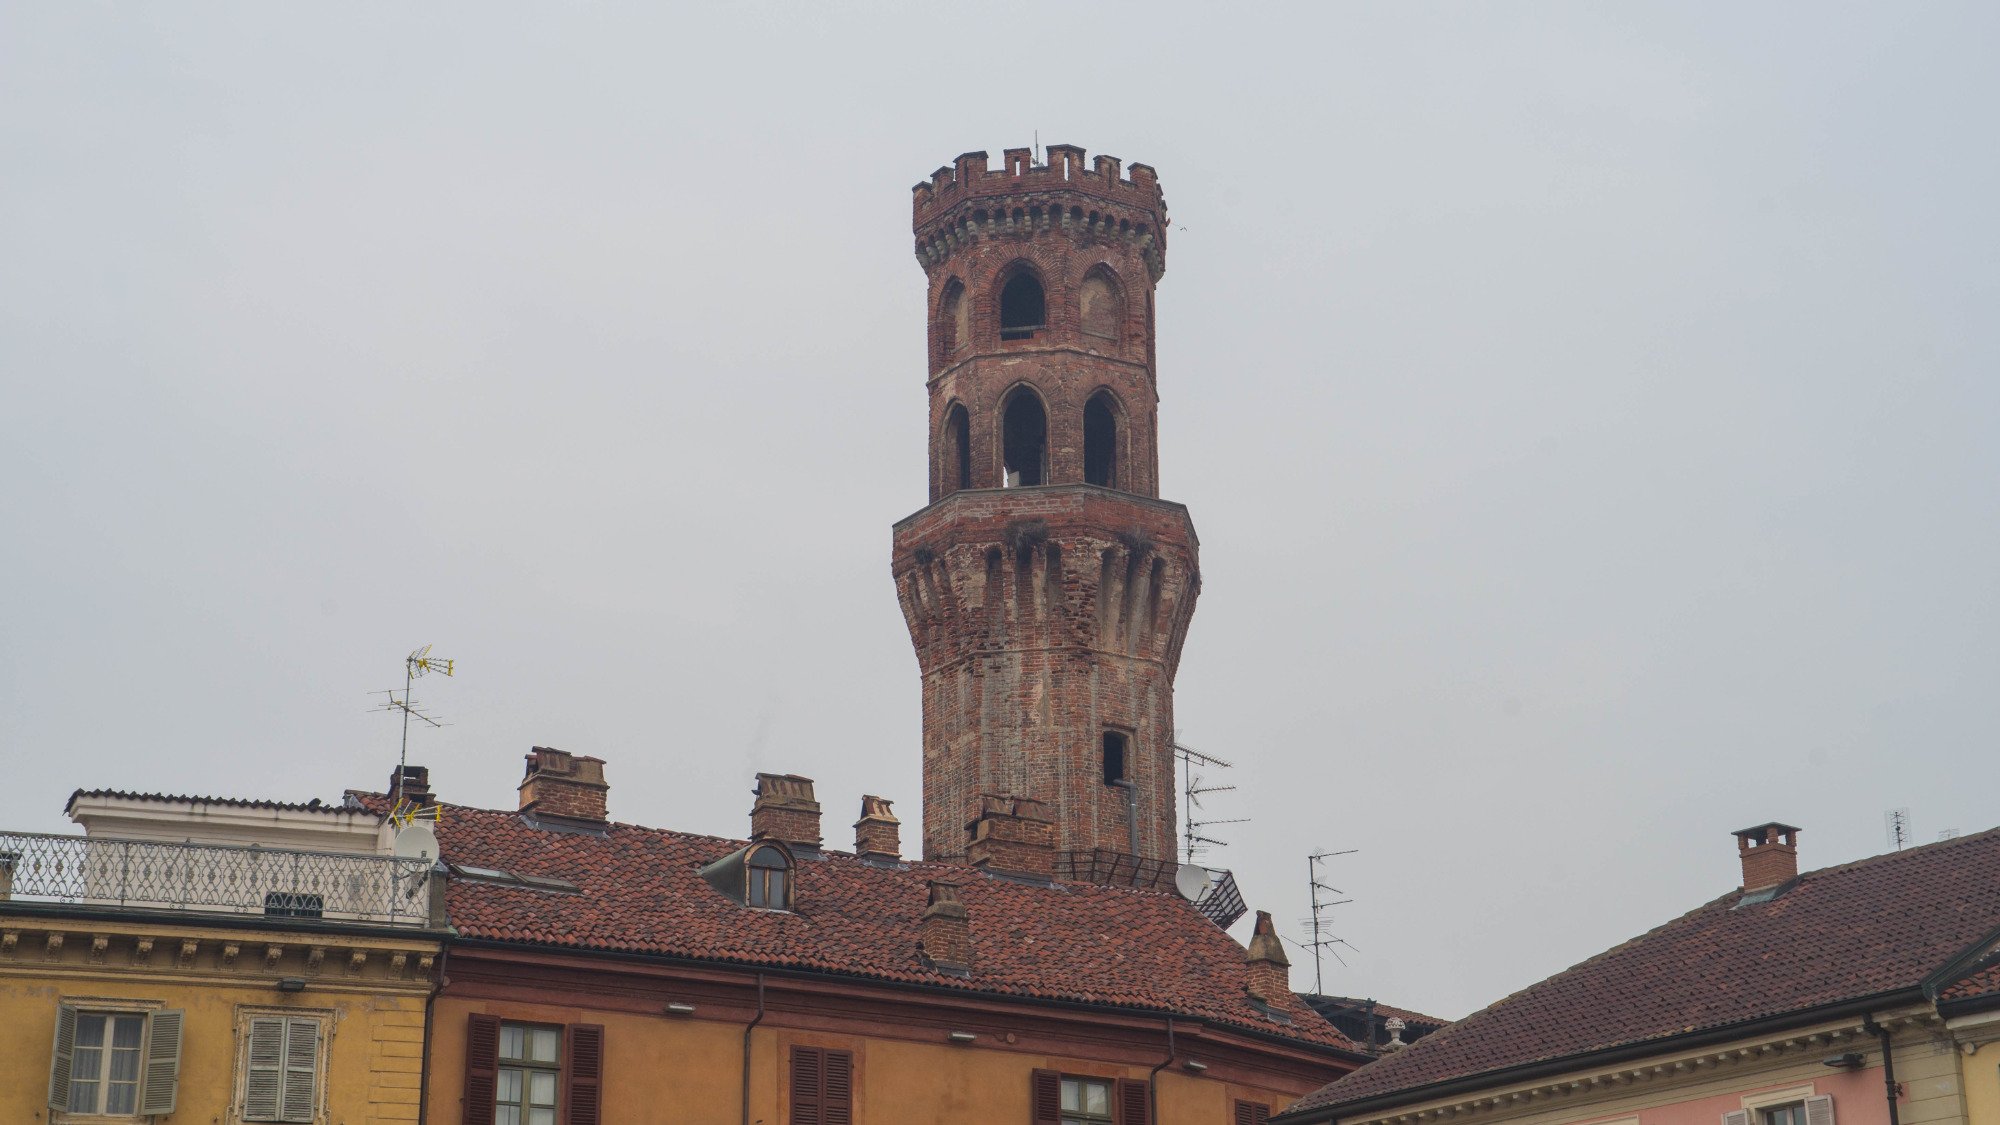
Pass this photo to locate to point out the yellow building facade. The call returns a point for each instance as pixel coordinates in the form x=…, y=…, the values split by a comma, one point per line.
x=191, y=983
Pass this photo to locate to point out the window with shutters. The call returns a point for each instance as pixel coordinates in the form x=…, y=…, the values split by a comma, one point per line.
x=822, y=1086
x=533, y=1074
x=1086, y=1101
x=1795, y=1106
x=1252, y=1113
x=282, y=1065
x=529, y=1075
x=119, y=1060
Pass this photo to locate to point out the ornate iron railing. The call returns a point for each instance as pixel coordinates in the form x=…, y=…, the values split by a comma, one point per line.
x=213, y=878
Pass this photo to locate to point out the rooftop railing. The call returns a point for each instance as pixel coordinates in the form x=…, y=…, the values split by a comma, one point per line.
x=213, y=879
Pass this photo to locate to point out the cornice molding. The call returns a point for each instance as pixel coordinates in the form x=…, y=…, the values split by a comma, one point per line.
x=212, y=954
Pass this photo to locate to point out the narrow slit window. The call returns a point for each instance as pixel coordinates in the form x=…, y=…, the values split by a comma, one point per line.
x=1025, y=439
x=1114, y=757
x=1100, y=442
x=957, y=450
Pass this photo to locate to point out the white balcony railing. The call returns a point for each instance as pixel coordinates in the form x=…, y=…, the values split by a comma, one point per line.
x=213, y=879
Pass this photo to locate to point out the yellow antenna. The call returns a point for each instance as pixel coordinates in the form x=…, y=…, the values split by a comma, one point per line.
x=418, y=663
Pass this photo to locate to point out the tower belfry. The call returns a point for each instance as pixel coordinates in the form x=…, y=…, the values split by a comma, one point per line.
x=1046, y=587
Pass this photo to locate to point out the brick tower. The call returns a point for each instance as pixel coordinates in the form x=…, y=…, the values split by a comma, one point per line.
x=1047, y=588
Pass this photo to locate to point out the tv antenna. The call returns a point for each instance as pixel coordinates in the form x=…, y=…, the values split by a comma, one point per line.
x=1193, y=788
x=1897, y=827
x=1323, y=938
x=418, y=663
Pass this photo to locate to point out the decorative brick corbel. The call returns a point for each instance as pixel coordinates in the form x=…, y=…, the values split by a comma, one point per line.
x=357, y=959
x=53, y=949
x=229, y=952
x=314, y=957
x=272, y=955
x=100, y=944
x=142, y=951
x=189, y=948
x=9, y=941
x=399, y=964
x=425, y=962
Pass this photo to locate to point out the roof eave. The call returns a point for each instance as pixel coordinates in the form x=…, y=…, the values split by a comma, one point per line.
x=1331, y=1114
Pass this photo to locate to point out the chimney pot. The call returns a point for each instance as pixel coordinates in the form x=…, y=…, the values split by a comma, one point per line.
x=785, y=810
x=1270, y=969
x=564, y=786
x=945, y=939
x=1770, y=855
x=878, y=834
x=416, y=784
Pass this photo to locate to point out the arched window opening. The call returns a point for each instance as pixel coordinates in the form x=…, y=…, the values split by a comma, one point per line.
x=955, y=459
x=769, y=880
x=1025, y=440
x=954, y=318
x=1099, y=308
x=1100, y=441
x=1114, y=757
x=1023, y=307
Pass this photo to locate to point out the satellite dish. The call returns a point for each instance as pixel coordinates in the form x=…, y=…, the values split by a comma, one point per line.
x=417, y=840
x=1191, y=881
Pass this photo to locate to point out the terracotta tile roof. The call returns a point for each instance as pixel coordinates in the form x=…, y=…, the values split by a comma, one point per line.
x=314, y=805
x=1983, y=983
x=1844, y=933
x=640, y=893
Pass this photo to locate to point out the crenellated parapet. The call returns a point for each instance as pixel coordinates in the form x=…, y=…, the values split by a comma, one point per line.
x=966, y=202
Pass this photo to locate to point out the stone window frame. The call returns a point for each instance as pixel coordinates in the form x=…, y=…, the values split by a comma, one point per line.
x=239, y=1066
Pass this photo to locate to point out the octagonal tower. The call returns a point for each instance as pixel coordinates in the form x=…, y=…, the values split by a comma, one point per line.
x=1046, y=587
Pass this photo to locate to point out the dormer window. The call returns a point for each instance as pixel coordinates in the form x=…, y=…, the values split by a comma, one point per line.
x=757, y=875
x=769, y=884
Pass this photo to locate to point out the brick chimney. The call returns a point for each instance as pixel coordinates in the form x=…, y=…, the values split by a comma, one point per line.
x=878, y=834
x=1770, y=854
x=785, y=810
x=561, y=786
x=1270, y=969
x=416, y=784
x=1012, y=837
x=945, y=940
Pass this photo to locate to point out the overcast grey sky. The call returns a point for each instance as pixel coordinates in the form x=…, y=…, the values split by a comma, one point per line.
x=1587, y=411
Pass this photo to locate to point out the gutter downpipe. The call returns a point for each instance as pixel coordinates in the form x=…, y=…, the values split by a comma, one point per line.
x=1152, y=1077
x=1881, y=1035
x=749, y=1027
x=430, y=1002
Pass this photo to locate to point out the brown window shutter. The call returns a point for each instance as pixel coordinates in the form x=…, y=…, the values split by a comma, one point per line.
x=837, y=1095
x=808, y=1082
x=1134, y=1107
x=585, y=1088
x=1046, y=1098
x=1252, y=1113
x=482, y=1068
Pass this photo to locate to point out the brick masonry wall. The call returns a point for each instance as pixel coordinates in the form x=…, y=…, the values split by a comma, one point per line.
x=1042, y=618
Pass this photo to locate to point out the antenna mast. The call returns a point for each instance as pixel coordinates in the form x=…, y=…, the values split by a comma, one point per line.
x=418, y=663
x=1323, y=939
x=1896, y=825
x=1192, y=790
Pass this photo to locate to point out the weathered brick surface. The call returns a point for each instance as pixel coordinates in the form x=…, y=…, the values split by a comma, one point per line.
x=564, y=785
x=1045, y=616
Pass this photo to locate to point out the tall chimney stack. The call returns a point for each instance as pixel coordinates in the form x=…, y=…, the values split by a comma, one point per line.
x=1012, y=837
x=1270, y=969
x=945, y=940
x=878, y=834
x=1770, y=854
x=785, y=810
